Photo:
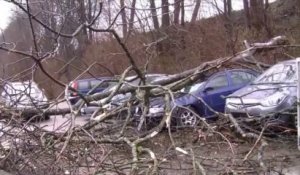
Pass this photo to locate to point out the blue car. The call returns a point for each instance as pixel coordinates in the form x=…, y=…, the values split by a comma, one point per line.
x=212, y=92
x=83, y=86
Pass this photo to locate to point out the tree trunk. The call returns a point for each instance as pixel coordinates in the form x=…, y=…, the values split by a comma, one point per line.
x=165, y=19
x=132, y=14
x=196, y=11
x=229, y=27
x=227, y=8
x=267, y=26
x=123, y=15
x=266, y=4
x=247, y=13
x=81, y=14
x=90, y=16
x=109, y=12
x=83, y=37
x=182, y=13
x=177, y=11
x=256, y=11
x=182, y=34
x=154, y=14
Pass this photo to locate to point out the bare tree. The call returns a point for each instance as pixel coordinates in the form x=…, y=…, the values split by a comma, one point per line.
x=182, y=13
x=229, y=26
x=132, y=14
x=256, y=11
x=267, y=4
x=196, y=11
x=177, y=11
x=227, y=8
x=266, y=15
x=154, y=14
x=165, y=19
x=90, y=17
x=247, y=13
x=124, y=19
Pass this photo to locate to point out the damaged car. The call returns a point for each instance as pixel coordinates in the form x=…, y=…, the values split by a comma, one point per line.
x=272, y=94
x=200, y=99
x=119, y=99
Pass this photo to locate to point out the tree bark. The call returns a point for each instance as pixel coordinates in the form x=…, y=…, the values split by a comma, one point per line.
x=196, y=11
x=229, y=27
x=266, y=4
x=247, y=13
x=266, y=23
x=256, y=10
x=154, y=14
x=82, y=18
x=177, y=11
x=182, y=13
x=90, y=16
x=109, y=12
x=165, y=20
x=123, y=15
x=227, y=8
x=132, y=14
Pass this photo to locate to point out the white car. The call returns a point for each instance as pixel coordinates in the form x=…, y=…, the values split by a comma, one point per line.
x=23, y=95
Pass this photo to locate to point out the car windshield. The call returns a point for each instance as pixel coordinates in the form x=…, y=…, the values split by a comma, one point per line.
x=192, y=88
x=279, y=73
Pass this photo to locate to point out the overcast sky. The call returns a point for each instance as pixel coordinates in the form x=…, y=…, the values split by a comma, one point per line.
x=6, y=10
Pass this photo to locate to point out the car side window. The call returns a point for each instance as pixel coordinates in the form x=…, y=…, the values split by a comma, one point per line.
x=217, y=82
x=83, y=85
x=102, y=85
x=239, y=77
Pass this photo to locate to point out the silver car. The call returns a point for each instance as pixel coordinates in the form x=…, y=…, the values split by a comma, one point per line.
x=271, y=93
x=120, y=99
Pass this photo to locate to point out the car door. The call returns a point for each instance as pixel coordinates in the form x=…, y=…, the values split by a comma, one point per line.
x=239, y=79
x=214, y=91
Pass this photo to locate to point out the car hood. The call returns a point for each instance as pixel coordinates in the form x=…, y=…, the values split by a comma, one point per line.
x=256, y=93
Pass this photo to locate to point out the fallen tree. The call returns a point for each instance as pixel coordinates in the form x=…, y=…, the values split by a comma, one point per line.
x=107, y=145
x=173, y=82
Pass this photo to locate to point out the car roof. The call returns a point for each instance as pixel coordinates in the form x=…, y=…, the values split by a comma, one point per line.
x=96, y=78
x=230, y=70
x=288, y=62
x=242, y=70
x=21, y=83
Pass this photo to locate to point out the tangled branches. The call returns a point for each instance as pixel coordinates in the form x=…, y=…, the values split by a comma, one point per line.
x=114, y=142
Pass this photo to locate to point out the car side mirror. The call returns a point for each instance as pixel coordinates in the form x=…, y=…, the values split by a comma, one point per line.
x=208, y=89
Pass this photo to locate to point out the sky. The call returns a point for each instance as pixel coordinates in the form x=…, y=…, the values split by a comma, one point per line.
x=6, y=11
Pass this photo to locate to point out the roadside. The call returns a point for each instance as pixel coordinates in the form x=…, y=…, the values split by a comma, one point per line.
x=61, y=123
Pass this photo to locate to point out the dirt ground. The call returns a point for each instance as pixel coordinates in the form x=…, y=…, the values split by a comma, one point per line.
x=190, y=151
x=219, y=156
